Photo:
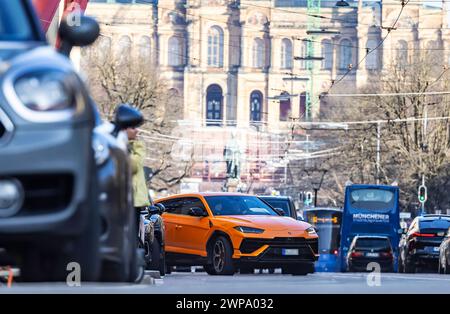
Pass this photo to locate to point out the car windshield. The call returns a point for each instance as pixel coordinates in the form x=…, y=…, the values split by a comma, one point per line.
x=279, y=203
x=367, y=243
x=372, y=199
x=14, y=22
x=231, y=205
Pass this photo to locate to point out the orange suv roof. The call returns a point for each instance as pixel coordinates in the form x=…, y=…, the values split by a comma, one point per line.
x=206, y=194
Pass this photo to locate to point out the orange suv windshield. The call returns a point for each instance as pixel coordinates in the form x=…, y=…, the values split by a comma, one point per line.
x=238, y=205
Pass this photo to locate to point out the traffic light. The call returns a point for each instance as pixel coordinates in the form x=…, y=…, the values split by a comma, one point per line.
x=308, y=198
x=422, y=193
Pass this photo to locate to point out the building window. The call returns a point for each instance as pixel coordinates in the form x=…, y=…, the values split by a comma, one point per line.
x=175, y=110
x=103, y=50
x=303, y=54
x=258, y=53
x=327, y=54
x=286, y=54
x=175, y=51
x=144, y=48
x=346, y=56
x=303, y=112
x=215, y=47
x=372, y=57
x=323, y=106
x=285, y=106
x=214, y=104
x=401, y=52
x=124, y=49
x=256, y=100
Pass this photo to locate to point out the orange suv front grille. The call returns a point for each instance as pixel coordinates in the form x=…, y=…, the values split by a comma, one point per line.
x=250, y=245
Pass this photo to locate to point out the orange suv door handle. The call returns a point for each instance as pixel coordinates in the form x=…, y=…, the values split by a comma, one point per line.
x=178, y=227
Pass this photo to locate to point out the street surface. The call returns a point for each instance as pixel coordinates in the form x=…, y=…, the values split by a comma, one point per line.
x=201, y=283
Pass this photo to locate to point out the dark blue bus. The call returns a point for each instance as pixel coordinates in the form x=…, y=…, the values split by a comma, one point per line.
x=327, y=222
x=370, y=210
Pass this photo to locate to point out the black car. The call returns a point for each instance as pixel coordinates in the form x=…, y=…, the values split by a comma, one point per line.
x=282, y=203
x=419, y=247
x=50, y=213
x=444, y=255
x=121, y=259
x=368, y=249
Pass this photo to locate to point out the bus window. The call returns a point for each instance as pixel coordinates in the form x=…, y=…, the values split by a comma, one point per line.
x=372, y=199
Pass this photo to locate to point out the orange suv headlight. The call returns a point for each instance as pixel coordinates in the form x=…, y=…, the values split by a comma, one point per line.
x=248, y=229
x=311, y=231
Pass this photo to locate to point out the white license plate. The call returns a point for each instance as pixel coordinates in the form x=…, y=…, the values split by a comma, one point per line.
x=372, y=254
x=289, y=252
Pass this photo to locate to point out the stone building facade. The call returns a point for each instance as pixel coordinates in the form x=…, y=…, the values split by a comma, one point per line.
x=238, y=63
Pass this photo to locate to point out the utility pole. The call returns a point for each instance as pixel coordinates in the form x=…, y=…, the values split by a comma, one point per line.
x=378, y=151
x=285, y=167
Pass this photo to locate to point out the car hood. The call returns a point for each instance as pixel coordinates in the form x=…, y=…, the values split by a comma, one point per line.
x=11, y=50
x=274, y=223
x=29, y=55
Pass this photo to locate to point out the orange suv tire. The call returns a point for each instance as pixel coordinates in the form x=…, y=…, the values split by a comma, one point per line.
x=220, y=255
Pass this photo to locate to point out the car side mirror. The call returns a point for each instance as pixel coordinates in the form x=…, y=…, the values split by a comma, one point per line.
x=300, y=218
x=280, y=211
x=197, y=212
x=161, y=208
x=153, y=210
x=127, y=117
x=78, y=32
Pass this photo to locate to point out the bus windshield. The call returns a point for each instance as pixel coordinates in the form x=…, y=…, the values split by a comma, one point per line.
x=328, y=225
x=372, y=199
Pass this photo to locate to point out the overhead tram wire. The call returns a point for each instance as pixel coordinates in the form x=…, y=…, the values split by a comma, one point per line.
x=389, y=94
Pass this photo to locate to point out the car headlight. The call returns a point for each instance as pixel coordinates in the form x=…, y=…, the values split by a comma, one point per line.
x=311, y=231
x=46, y=91
x=101, y=149
x=248, y=229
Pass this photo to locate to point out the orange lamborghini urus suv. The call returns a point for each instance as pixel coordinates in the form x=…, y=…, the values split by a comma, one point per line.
x=226, y=232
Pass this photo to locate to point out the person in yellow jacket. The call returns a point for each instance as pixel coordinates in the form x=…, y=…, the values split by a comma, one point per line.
x=140, y=192
x=137, y=156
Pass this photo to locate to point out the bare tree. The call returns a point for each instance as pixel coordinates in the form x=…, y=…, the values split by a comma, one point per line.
x=408, y=148
x=126, y=78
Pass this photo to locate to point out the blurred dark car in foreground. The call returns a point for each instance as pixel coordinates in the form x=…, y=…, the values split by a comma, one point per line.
x=50, y=175
x=370, y=249
x=419, y=247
